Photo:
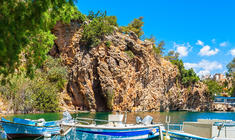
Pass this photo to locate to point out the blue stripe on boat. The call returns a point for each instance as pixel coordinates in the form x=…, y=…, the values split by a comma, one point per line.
x=126, y=133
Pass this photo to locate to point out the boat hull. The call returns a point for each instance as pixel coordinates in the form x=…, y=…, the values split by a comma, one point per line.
x=14, y=130
x=84, y=133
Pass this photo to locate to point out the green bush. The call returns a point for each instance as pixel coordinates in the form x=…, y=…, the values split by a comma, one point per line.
x=55, y=72
x=99, y=26
x=45, y=96
x=40, y=93
x=187, y=77
x=108, y=44
x=213, y=87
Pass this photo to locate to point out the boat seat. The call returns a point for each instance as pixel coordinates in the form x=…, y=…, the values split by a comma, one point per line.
x=115, y=119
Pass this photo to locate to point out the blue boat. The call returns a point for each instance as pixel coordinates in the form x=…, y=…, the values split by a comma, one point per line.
x=87, y=132
x=21, y=128
x=114, y=129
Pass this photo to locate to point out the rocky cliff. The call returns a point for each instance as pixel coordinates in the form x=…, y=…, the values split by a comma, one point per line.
x=122, y=73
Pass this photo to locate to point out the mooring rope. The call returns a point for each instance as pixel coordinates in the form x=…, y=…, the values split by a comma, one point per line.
x=38, y=138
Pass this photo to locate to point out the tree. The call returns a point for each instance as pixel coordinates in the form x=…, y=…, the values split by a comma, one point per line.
x=157, y=48
x=135, y=26
x=231, y=66
x=231, y=75
x=213, y=87
x=25, y=26
x=172, y=55
x=38, y=94
x=187, y=77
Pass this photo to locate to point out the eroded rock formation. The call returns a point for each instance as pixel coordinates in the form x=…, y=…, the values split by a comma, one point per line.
x=125, y=75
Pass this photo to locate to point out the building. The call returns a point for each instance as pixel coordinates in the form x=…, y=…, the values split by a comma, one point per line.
x=224, y=100
x=219, y=77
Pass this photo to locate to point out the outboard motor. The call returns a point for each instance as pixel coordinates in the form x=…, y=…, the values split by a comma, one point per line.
x=66, y=117
x=147, y=120
x=138, y=119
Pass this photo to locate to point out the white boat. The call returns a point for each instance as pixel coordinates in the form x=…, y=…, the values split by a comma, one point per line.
x=115, y=129
x=203, y=129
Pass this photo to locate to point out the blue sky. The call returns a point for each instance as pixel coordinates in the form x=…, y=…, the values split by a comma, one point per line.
x=202, y=31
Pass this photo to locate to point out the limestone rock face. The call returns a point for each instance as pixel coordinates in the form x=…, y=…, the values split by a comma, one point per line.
x=223, y=107
x=109, y=78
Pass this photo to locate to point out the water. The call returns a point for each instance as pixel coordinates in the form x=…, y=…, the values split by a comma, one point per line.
x=176, y=117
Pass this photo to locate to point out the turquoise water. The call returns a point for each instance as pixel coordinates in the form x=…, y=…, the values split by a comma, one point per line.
x=176, y=117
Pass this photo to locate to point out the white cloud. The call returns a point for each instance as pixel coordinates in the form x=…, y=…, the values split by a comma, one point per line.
x=206, y=50
x=232, y=52
x=223, y=44
x=210, y=65
x=183, y=49
x=204, y=67
x=190, y=65
x=199, y=42
x=204, y=64
x=213, y=41
x=203, y=73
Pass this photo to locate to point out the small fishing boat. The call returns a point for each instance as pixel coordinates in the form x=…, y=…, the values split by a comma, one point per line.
x=20, y=128
x=115, y=129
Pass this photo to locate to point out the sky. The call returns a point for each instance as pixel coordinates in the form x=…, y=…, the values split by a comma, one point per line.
x=202, y=31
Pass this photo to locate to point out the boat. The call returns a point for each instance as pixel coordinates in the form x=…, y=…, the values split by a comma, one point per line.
x=203, y=129
x=114, y=128
x=21, y=128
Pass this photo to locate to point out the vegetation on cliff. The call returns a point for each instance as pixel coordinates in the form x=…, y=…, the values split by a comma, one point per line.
x=187, y=77
x=99, y=25
x=135, y=26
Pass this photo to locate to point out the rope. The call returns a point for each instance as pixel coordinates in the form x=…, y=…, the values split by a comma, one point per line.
x=38, y=138
x=9, y=136
x=220, y=127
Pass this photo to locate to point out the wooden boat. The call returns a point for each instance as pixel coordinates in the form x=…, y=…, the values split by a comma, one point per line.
x=20, y=128
x=114, y=129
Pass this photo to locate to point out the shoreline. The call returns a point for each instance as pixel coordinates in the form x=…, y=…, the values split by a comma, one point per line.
x=87, y=111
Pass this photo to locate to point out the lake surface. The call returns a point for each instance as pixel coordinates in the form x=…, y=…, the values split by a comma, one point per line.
x=176, y=117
